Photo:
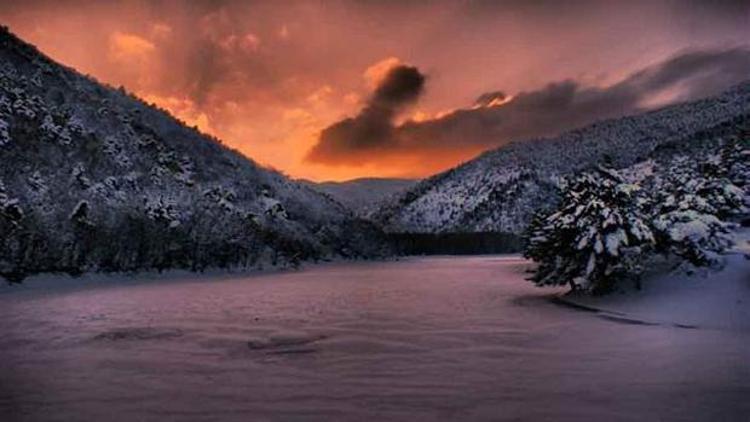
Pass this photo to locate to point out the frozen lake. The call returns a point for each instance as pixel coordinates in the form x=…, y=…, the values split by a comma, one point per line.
x=421, y=339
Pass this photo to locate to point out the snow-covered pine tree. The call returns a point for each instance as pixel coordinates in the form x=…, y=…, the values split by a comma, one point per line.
x=10, y=210
x=736, y=158
x=691, y=207
x=735, y=155
x=595, y=237
x=162, y=210
x=4, y=132
x=728, y=168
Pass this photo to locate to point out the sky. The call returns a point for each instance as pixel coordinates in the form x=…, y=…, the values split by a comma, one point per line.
x=334, y=90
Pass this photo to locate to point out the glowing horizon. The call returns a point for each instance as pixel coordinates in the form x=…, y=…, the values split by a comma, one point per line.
x=270, y=80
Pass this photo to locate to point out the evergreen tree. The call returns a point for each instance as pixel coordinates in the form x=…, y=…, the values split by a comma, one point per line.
x=594, y=238
x=692, y=206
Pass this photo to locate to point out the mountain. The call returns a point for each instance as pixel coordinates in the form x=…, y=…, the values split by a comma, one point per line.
x=92, y=178
x=499, y=190
x=363, y=195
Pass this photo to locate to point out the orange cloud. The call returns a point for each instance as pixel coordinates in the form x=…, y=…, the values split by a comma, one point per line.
x=160, y=31
x=125, y=47
x=419, y=116
x=352, y=98
x=320, y=95
x=184, y=109
x=255, y=75
x=248, y=43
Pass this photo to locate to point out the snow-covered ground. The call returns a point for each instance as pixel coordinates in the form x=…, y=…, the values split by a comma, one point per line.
x=709, y=299
x=437, y=338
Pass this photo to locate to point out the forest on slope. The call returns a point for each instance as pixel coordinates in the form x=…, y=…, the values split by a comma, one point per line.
x=94, y=179
x=501, y=189
x=363, y=195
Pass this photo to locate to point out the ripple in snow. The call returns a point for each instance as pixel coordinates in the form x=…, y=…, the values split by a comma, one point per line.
x=284, y=340
x=139, y=333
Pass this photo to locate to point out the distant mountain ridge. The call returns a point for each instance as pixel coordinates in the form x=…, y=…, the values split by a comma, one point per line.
x=93, y=178
x=499, y=190
x=363, y=195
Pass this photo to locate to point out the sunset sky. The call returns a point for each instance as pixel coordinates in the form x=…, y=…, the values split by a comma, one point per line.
x=332, y=90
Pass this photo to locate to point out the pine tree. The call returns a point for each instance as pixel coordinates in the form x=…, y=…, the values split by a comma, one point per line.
x=733, y=162
x=4, y=132
x=691, y=208
x=595, y=237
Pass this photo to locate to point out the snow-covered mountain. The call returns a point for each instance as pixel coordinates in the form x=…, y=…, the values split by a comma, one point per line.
x=499, y=190
x=363, y=195
x=92, y=178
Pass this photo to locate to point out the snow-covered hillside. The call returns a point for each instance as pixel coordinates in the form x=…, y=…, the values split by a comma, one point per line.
x=363, y=195
x=499, y=190
x=92, y=178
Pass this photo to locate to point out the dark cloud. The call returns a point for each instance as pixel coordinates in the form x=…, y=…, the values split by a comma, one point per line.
x=208, y=70
x=373, y=127
x=401, y=85
x=547, y=111
x=704, y=72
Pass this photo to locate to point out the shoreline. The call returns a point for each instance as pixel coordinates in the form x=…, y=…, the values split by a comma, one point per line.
x=708, y=300
x=55, y=282
x=711, y=299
